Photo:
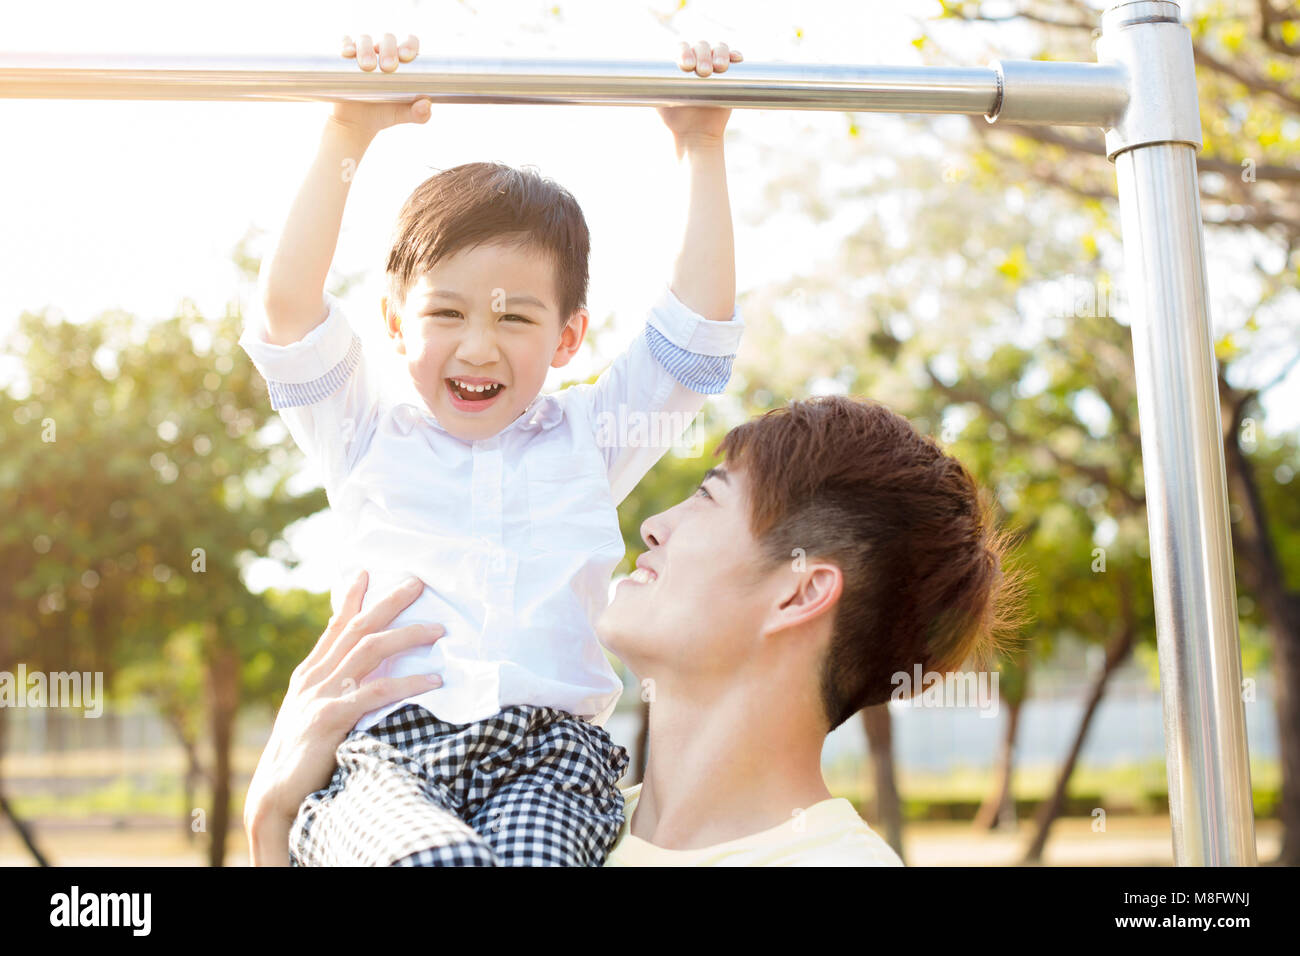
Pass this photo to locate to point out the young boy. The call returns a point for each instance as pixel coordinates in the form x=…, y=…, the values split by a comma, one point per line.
x=501, y=500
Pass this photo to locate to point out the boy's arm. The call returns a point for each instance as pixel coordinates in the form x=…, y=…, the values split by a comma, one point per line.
x=292, y=279
x=644, y=402
x=704, y=276
x=326, y=392
x=298, y=337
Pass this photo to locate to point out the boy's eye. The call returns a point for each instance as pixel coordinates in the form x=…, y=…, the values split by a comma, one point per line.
x=704, y=491
x=454, y=312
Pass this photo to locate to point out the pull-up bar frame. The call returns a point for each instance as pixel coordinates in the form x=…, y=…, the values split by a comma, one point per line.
x=1142, y=92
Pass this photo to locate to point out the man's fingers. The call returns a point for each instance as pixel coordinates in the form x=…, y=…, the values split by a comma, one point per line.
x=349, y=48
x=352, y=600
x=376, y=619
x=409, y=49
x=347, y=610
x=385, y=690
x=373, y=649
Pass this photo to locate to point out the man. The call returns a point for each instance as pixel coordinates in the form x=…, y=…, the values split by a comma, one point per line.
x=834, y=548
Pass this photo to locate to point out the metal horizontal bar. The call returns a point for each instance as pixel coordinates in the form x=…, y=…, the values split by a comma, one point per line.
x=898, y=89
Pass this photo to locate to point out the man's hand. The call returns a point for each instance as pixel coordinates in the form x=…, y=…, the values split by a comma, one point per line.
x=370, y=118
x=700, y=123
x=326, y=697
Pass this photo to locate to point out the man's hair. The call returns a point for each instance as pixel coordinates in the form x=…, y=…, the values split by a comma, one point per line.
x=849, y=481
x=476, y=203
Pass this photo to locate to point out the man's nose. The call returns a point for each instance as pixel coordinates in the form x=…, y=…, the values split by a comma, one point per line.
x=654, y=530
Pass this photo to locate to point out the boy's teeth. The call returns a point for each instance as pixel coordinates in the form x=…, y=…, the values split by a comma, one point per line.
x=474, y=388
x=642, y=576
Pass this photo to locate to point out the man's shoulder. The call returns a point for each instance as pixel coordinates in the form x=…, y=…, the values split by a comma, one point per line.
x=854, y=848
x=830, y=833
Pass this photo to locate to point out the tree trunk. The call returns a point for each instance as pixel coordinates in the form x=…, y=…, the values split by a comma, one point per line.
x=888, y=808
x=223, y=687
x=23, y=830
x=1116, y=653
x=1286, y=669
x=193, y=777
x=998, y=809
x=194, y=774
x=1256, y=553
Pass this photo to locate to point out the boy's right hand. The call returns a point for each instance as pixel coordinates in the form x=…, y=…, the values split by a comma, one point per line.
x=370, y=118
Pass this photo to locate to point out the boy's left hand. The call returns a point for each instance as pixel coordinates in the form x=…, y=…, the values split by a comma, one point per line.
x=702, y=123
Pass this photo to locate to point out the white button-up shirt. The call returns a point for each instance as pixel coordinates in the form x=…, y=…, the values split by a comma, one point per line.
x=515, y=536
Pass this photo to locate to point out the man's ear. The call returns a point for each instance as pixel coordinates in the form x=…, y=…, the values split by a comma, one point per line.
x=571, y=336
x=393, y=324
x=809, y=594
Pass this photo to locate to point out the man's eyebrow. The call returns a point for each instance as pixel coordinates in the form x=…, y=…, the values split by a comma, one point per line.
x=715, y=473
x=457, y=297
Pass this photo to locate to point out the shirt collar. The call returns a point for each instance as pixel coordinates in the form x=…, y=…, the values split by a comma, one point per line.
x=543, y=412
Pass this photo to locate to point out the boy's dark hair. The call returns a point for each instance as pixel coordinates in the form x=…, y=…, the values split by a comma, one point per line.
x=850, y=481
x=474, y=203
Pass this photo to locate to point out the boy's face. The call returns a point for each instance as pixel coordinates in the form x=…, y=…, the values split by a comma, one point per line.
x=485, y=315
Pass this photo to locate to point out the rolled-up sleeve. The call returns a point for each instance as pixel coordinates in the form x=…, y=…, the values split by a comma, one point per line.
x=695, y=351
x=321, y=385
x=644, y=402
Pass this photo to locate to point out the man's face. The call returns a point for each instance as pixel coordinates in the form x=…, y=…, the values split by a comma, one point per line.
x=487, y=316
x=697, y=600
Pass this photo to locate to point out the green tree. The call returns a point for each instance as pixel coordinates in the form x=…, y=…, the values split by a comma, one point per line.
x=1246, y=54
x=144, y=469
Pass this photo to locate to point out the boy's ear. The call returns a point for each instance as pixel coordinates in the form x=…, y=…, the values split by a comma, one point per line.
x=571, y=336
x=393, y=324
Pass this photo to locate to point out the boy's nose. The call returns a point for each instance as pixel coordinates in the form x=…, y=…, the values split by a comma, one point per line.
x=477, y=347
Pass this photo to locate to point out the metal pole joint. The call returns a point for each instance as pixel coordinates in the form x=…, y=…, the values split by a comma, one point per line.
x=1148, y=41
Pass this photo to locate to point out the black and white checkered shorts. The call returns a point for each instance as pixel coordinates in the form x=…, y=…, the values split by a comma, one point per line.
x=529, y=786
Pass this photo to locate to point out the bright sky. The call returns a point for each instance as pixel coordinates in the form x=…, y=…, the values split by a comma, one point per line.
x=135, y=205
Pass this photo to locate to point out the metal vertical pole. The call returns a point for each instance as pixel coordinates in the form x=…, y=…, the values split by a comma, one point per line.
x=1154, y=148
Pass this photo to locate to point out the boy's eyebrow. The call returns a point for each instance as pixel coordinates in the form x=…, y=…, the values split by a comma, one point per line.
x=715, y=473
x=457, y=297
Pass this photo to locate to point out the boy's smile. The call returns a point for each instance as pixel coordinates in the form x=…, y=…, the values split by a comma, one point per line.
x=479, y=330
x=472, y=394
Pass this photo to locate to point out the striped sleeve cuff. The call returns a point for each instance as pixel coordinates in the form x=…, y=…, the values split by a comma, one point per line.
x=696, y=351
x=309, y=370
